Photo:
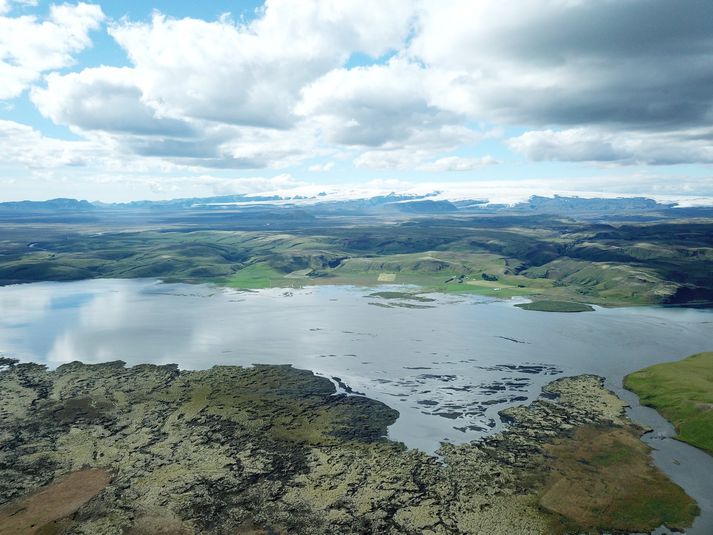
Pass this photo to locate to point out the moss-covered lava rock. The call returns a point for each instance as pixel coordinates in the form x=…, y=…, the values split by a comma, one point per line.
x=273, y=449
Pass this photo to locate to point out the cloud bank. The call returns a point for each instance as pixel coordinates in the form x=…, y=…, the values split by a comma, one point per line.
x=385, y=85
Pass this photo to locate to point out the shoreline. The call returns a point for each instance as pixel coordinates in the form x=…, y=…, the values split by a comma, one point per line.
x=423, y=289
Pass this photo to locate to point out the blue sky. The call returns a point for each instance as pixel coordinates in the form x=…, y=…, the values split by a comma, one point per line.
x=489, y=99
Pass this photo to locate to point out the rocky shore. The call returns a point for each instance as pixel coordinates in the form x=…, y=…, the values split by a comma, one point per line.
x=271, y=449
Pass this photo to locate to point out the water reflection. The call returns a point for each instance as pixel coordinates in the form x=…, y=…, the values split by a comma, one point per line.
x=448, y=369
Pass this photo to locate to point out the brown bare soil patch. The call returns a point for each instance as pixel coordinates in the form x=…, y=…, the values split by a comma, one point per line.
x=160, y=524
x=43, y=511
x=603, y=477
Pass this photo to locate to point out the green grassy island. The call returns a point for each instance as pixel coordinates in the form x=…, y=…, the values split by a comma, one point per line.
x=682, y=392
x=555, y=306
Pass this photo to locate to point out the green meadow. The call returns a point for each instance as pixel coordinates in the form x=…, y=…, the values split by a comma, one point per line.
x=682, y=392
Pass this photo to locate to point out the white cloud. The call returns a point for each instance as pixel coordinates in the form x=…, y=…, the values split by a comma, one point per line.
x=103, y=99
x=26, y=147
x=23, y=145
x=597, y=145
x=372, y=106
x=190, y=185
x=105, y=104
x=30, y=46
x=390, y=159
x=321, y=167
x=220, y=94
x=588, y=80
x=252, y=74
x=222, y=186
x=418, y=150
x=457, y=163
x=7, y=5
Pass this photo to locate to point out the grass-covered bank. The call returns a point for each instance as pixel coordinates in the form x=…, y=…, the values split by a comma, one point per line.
x=555, y=306
x=682, y=392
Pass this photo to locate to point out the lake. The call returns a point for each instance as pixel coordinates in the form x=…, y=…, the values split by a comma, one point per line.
x=448, y=365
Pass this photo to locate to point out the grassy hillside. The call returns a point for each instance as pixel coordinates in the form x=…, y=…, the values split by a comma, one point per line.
x=683, y=393
x=540, y=257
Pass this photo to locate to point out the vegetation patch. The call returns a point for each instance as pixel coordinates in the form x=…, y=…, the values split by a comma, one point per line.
x=258, y=276
x=273, y=449
x=602, y=478
x=555, y=306
x=405, y=296
x=499, y=256
x=682, y=392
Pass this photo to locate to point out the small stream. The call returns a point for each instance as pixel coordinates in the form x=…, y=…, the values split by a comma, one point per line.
x=687, y=466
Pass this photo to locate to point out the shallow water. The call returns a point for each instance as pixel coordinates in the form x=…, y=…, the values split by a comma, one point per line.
x=447, y=366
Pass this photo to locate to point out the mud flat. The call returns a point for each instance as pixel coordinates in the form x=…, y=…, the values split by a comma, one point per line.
x=273, y=449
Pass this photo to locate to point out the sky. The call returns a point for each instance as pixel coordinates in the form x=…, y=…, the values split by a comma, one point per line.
x=499, y=99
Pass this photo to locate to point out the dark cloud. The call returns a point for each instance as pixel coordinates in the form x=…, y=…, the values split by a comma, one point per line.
x=162, y=147
x=644, y=64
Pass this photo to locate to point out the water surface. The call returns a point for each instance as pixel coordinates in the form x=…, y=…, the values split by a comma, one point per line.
x=448, y=366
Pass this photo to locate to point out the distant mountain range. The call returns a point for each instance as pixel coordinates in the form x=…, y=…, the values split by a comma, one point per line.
x=52, y=204
x=378, y=205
